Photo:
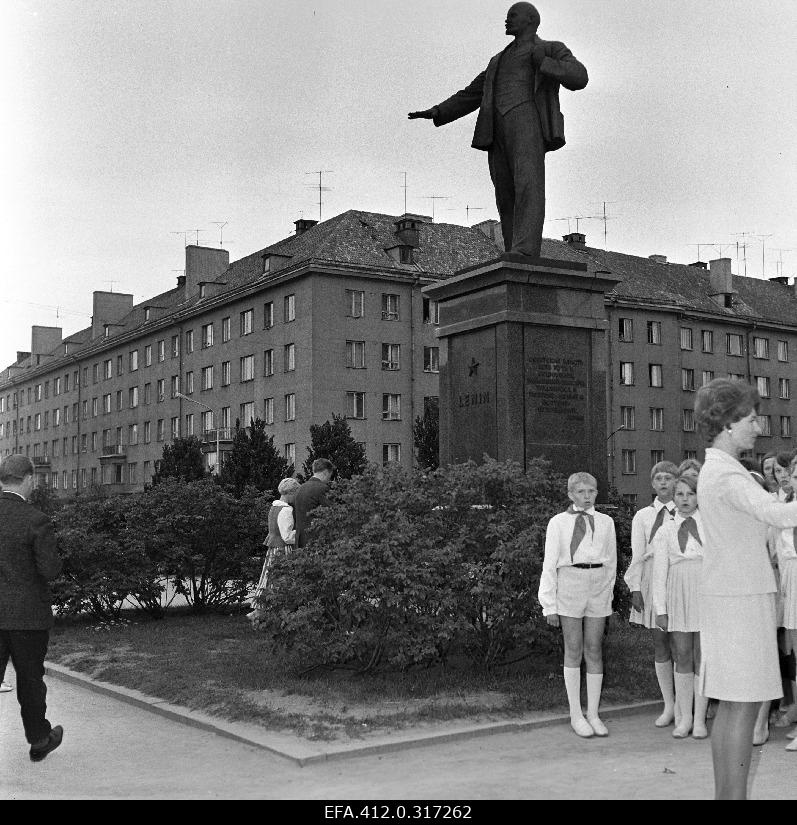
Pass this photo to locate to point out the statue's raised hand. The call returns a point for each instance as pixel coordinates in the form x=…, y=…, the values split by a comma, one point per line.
x=426, y=114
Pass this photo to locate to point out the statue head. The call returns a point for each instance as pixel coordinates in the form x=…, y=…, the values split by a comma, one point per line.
x=522, y=17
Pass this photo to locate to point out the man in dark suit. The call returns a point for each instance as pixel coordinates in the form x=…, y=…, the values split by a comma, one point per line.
x=309, y=496
x=28, y=561
x=519, y=121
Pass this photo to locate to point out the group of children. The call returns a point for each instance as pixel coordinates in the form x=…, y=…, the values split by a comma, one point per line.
x=577, y=585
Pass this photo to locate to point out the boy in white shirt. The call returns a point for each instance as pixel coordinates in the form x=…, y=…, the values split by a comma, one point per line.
x=576, y=589
x=639, y=578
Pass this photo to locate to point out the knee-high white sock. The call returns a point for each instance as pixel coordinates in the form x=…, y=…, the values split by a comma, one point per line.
x=699, y=730
x=684, y=694
x=594, y=686
x=664, y=676
x=573, y=688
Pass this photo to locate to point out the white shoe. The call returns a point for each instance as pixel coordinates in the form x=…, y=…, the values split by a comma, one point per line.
x=700, y=731
x=792, y=746
x=597, y=726
x=792, y=734
x=5, y=687
x=582, y=728
x=666, y=718
x=682, y=730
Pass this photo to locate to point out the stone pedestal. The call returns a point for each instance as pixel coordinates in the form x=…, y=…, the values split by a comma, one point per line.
x=523, y=364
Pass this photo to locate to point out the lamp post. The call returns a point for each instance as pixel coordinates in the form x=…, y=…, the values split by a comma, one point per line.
x=215, y=423
x=611, y=451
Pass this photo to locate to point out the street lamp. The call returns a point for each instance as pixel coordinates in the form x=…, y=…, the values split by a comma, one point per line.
x=215, y=423
x=611, y=452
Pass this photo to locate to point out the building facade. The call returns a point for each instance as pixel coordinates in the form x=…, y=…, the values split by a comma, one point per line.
x=332, y=321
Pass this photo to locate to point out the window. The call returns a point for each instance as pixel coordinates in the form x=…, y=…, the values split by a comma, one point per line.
x=657, y=419
x=161, y=390
x=391, y=407
x=290, y=357
x=355, y=405
x=66, y=382
x=247, y=321
x=268, y=315
x=107, y=369
x=628, y=418
x=189, y=383
x=147, y=313
x=247, y=413
x=147, y=394
x=431, y=359
x=46, y=389
x=175, y=385
x=119, y=401
x=783, y=351
x=391, y=357
x=147, y=432
x=268, y=410
x=391, y=453
x=689, y=421
x=734, y=344
x=106, y=403
x=189, y=341
x=355, y=303
x=56, y=391
x=289, y=307
x=626, y=330
x=248, y=368
x=148, y=355
x=431, y=312
x=290, y=454
x=132, y=472
x=225, y=330
x=655, y=372
x=762, y=385
x=688, y=380
x=84, y=408
x=226, y=373
x=627, y=373
x=94, y=410
x=656, y=456
x=207, y=378
x=132, y=434
x=654, y=332
x=629, y=462
x=132, y=361
x=175, y=427
x=159, y=432
x=37, y=422
x=95, y=376
x=760, y=347
x=785, y=426
x=207, y=421
x=736, y=376
x=225, y=418
x=686, y=338
x=390, y=307
x=161, y=350
x=355, y=355
x=189, y=424
x=707, y=340
x=207, y=336
x=765, y=422
x=784, y=388
x=268, y=362
x=290, y=406
x=708, y=377
x=56, y=417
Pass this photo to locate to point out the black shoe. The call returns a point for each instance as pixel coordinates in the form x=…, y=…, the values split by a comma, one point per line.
x=53, y=741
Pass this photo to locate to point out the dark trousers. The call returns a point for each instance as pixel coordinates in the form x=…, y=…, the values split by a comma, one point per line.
x=517, y=168
x=27, y=649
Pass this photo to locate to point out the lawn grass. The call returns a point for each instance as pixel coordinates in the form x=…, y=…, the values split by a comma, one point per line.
x=216, y=663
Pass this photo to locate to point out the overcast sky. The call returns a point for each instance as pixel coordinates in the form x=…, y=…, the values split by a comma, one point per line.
x=127, y=122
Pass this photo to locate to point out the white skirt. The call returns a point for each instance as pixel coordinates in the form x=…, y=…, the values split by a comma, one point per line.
x=739, y=648
x=788, y=594
x=647, y=618
x=683, y=599
x=581, y=593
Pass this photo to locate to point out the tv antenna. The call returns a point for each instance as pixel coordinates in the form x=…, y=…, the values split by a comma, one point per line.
x=221, y=226
x=743, y=246
x=577, y=218
x=321, y=188
x=469, y=209
x=184, y=233
x=404, y=187
x=434, y=198
x=111, y=283
x=763, y=239
x=779, y=262
x=197, y=234
x=700, y=246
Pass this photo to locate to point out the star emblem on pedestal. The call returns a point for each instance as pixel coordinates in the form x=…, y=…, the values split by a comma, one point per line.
x=473, y=368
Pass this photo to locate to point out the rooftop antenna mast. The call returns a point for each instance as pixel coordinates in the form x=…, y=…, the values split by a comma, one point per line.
x=434, y=198
x=321, y=188
x=763, y=239
x=743, y=246
x=779, y=262
x=221, y=226
x=469, y=209
x=404, y=187
x=700, y=246
x=184, y=233
x=197, y=234
x=111, y=283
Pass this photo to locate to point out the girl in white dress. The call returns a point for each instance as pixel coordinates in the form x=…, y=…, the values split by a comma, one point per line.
x=678, y=561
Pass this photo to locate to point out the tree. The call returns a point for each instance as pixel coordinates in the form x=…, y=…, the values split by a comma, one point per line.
x=181, y=459
x=333, y=440
x=254, y=460
x=426, y=435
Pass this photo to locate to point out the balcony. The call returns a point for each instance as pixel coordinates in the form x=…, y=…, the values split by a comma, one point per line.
x=113, y=452
x=208, y=439
x=41, y=461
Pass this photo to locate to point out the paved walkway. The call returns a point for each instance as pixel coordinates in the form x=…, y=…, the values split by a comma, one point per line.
x=114, y=750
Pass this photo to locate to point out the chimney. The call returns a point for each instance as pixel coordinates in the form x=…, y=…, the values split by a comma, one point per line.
x=699, y=265
x=108, y=309
x=45, y=340
x=658, y=259
x=578, y=240
x=721, y=282
x=181, y=281
x=203, y=263
x=492, y=229
x=408, y=230
x=781, y=279
x=303, y=224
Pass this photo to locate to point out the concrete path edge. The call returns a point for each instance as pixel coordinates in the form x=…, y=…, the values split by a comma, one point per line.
x=301, y=752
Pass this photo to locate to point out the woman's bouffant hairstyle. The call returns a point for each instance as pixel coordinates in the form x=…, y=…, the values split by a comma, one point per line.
x=722, y=402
